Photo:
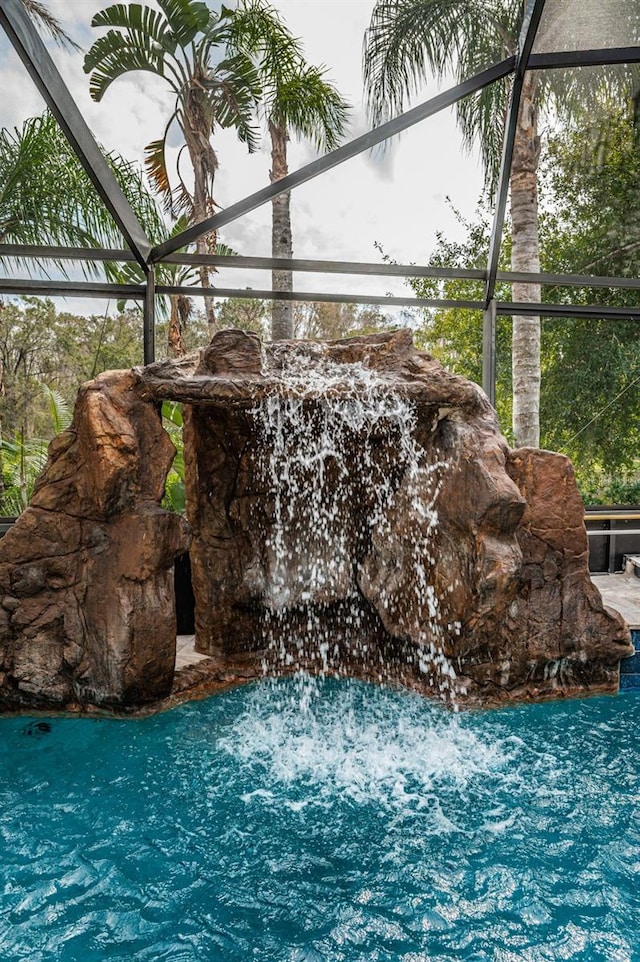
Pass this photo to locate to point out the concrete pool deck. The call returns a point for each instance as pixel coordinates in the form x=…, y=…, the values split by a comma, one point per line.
x=619, y=591
x=622, y=592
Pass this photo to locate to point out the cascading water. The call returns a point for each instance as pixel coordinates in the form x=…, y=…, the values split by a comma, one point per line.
x=337, y=449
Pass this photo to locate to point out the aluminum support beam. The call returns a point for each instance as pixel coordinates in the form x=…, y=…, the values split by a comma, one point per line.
x=489, y=352
x=47, y=79
x=376, y=136
x=521, y=309
x=569, y=280
x=46, y=252
x=321, y=267
x=321, y=297
x=583, y=58
x=31, y=252
x=139, y=292
x=149, y=318
x=71, y=289
x=527, y=38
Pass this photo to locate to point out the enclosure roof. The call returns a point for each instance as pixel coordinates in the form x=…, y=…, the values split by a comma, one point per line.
x=573, y=35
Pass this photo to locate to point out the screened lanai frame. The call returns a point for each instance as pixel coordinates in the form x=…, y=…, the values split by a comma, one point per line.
x=50, y=84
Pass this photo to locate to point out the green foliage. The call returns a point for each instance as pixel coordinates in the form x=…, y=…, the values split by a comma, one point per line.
x=58, y=408
x=295, y=95
x=46, y=196
x=44, y=358
x=246, y=313
x=590, y=399
x=454, y=335
x=22, y=461
x=598, y=488
x=175, y=497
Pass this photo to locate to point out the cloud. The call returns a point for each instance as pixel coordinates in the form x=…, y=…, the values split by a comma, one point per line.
x=396, y=198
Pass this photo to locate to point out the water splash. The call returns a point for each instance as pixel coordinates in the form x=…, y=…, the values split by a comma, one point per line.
x=338, y=456
x=370, y=745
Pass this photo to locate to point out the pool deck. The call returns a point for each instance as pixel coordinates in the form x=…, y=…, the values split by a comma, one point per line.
x=619, y=591
x=186, y=654
x=622, y=592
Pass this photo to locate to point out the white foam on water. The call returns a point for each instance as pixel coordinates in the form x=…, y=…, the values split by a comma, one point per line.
x=365, y=743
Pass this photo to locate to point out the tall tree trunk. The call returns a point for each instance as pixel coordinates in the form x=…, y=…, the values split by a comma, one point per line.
x=175, y=336
x=525, y=256
x=196, y=132
x=281, y=237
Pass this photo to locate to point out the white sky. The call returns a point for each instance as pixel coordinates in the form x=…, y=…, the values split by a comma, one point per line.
x=397, y=199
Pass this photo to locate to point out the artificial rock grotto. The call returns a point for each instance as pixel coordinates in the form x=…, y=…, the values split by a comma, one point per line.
x=352, y=509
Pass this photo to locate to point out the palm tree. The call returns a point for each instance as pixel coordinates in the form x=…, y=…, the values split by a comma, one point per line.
x=297, y=100
x=185, y=43
x=46, y=196
x=408, y=39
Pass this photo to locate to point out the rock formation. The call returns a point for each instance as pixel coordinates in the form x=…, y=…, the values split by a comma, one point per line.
x=87, y=612
x=354, y=509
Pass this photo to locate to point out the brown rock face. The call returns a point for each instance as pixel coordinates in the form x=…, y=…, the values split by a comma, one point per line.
x=87, y=607
x=354, y=509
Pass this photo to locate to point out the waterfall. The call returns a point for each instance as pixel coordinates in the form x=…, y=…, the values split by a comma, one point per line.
x=337, y=450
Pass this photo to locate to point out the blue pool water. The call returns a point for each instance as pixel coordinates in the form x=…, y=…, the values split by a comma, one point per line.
x=371, y=826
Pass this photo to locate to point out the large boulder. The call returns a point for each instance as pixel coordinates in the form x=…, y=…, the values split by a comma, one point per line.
x=87, y=612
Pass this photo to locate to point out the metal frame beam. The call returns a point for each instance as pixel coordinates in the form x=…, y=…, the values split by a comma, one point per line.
x=489, y=351
x=520, y=308
x=319, y=296
x=71, y=288
x=48, y=252
x=149, y=318
x=376, y=136
x=146, y=293
x=47, y=79
x=303, y=265
x=605, y=56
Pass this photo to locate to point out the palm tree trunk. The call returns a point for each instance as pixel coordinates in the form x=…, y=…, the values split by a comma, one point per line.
x=525, y=256
x=175, y=336
x=281, y=237
x=196, y=132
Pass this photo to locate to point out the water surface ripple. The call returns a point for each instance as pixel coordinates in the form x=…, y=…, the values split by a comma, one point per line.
x=372, y=826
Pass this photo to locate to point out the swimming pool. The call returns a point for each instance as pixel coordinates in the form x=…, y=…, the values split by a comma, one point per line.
x=371, y=825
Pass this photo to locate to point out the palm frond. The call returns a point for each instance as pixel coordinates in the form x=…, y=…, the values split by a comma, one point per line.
x=45, y=20
x=115, y=54
x=46, y=196
x=234, y=91
x=156, y=165
x=256, y=28
x=309, y=106
x=138, y=21
x=58, y=409
x=187, y=18
x=408, y=41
